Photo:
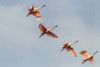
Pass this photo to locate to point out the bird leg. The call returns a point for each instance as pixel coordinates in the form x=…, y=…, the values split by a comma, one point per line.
x=42, y=34
x=84, y=61
x=62, y=49
x=28, y=14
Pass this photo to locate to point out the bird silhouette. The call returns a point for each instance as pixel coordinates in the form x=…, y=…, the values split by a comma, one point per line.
x=47, y=31
x=35, y=12
x=68, y=47
x=87, y=57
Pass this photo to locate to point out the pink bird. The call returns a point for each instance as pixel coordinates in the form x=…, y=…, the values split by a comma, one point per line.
x=69, y=49
x=47, y=31
x=87, y=57
x=35, y=12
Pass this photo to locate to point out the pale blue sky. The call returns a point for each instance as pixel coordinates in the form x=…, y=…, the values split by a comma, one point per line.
x=20, y=45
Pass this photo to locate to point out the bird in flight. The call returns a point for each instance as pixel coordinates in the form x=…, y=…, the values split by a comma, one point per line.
x=87, y=57
x=47, y=31
x=35, y=12
x=69, y=48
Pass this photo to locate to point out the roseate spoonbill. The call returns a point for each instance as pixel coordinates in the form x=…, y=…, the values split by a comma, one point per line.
x=87, y=57
x=47, y=31
x=69, y=49
x=35, y=12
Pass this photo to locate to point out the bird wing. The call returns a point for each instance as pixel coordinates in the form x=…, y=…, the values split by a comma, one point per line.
x=31, y=8
x=42, y=28
x=91, y=60
x=84, y=54
x=37, y=14
x=51, y=34
x=71, y=50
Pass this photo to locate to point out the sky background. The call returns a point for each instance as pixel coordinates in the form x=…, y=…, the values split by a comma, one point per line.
x=20, y=45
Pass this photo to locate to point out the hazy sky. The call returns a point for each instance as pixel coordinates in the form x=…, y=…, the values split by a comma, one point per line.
x=20, y=45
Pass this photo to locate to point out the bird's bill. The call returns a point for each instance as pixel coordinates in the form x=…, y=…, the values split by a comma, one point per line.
x=77, y=41
x=56, y=26
x=96, y=51
x=43, y=5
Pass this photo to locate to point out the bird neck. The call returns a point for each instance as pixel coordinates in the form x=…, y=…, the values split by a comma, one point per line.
x=94, y=53
x=53, y=28
x=40, y=7
x=74, y=42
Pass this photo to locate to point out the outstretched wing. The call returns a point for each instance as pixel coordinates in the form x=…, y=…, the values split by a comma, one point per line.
x=84, y=54
x=31, y=8
x=51, y=34
x=37, y=14
x=71, y=50
x=91, y=60
x=42, y=28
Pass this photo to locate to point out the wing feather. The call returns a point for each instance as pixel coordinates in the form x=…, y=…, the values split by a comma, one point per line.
x=84, y=54
x=91, y=60
x=31, y=8
x=42, y=28
x=37, y=14
x=71, y=50
x=51, y=34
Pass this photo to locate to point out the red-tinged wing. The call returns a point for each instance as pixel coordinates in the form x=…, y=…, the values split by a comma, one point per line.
x=31, y=8
x=71, y=50
x=42, y=28
x=91, y=60
x=51, y=34
x=37, y=14
x=84, y=54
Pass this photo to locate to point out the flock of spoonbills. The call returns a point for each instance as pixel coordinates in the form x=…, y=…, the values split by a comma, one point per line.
x=67, y=45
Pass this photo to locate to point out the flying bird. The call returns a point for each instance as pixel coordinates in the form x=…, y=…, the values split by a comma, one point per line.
x=47, y=31
x=69, y=48
x=35, y=12
x=87, y=57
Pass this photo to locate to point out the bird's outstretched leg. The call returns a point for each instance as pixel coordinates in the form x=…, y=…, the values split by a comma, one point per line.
x=42, y=34
x=62, y=49
x=28, y=14
x=84, y=61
